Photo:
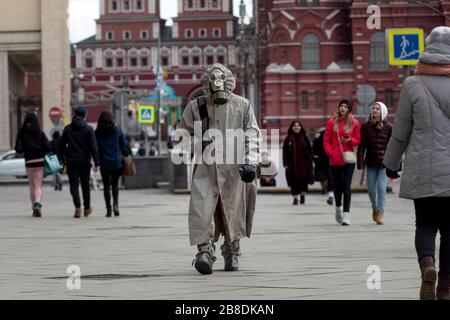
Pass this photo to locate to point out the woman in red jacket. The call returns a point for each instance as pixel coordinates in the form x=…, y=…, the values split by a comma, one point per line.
x=342, y=134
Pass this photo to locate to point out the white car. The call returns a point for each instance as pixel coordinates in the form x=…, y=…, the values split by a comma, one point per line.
x=12, y=164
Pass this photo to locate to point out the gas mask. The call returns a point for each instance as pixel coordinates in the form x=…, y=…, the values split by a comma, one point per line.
x=217, y=82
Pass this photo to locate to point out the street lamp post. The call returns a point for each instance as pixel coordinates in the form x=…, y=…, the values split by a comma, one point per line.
x=242, y=12
x=158, y=87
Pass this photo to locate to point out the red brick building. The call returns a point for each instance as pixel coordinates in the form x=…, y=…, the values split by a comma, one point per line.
x=321, y=50
x=126, y=45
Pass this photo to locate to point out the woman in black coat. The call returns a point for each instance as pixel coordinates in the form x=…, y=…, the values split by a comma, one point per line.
x=297, y=159
x=33, y=143
x=322, y=171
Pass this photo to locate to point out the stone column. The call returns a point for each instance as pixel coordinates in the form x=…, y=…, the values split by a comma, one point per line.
x=4, y=102
x=55, y=59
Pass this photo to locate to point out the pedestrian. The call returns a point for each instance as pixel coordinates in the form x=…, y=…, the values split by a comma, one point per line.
x=342, y=135
x=322, y=171
x=78, y=145
x=112, y=147
x=297, y=160
x=422, y=131
x=33, y=143
x=57, y=180
x=141, y=150
x=222, y=196
x=152, y=152
x=375, y=135
x=267, y=171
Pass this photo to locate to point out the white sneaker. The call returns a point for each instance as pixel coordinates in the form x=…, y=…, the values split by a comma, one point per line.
x=338, y=215
x=345, y=219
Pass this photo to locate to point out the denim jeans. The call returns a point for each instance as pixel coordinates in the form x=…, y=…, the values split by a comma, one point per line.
x=57, y=181
x=377, y=183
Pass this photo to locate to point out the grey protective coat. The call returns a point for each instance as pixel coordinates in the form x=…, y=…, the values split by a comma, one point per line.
x=211, y=182
x=422, y=131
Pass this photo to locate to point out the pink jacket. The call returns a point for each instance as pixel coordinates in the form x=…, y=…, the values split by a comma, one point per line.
x=331, y=142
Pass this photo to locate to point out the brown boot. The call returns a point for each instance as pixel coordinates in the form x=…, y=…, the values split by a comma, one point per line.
x=380, y=218
x=77, y=213
x=374, y=215
x=443, y=287
x=87, y=212
x=428, y=287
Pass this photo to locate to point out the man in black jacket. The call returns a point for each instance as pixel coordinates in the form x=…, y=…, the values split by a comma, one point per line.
x=78, y=144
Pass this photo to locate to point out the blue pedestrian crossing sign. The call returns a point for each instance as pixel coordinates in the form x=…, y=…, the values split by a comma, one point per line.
x=146, y=114
x=405, y=46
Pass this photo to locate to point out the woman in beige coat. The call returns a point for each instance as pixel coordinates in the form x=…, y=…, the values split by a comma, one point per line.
x=223, y=191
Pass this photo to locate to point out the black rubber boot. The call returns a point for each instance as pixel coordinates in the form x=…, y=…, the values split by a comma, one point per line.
x=108, y=211
x=116, y=210
x=205, y=258
x=231, y=255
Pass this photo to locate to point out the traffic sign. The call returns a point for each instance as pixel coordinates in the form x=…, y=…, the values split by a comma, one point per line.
x=54, y=113
x=146, y=114
x=405, y=46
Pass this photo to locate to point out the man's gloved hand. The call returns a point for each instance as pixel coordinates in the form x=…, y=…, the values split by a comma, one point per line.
x=392, y=174
x=248, y=173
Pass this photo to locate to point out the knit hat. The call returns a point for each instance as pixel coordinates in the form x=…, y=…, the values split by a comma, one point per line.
x=80, y=111
x=437, y=47
x=384, y=110
x=348, y=103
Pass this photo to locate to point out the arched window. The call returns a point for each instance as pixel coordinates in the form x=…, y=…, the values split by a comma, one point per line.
x=165, y=57
x=215, y=4
x=310, y=52
x=209, y=53
x=108, y=56
x=196, y=56
x=133, y=58
x=88, y=59
x=144, y=56
x=185, y=57
x=120, y=58
x=378, y=56
x=221, y=55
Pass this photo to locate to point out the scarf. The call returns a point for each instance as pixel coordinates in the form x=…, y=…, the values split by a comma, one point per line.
x=433, y=69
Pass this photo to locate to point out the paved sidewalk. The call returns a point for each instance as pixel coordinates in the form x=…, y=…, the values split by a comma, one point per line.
x=296, y=252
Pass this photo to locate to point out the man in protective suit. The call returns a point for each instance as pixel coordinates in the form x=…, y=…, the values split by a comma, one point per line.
x=223, y=192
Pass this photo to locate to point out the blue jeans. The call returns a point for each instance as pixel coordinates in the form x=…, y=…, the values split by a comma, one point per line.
x=377, y=181
x=57, y=181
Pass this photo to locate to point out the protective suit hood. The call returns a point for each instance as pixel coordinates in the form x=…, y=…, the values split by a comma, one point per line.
x=228, y=86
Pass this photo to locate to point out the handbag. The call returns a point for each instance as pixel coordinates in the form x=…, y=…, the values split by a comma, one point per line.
x=348, y=156
x=129, y=168
x=63, y=169
x=51, y=164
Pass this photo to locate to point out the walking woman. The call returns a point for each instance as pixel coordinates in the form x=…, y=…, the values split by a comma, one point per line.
x=112, y=147
x=57, y=181
x=342, y=135
x=297, y=159
x=33, y=142
x=375, y=135
x=422, y=130
x=322, y=170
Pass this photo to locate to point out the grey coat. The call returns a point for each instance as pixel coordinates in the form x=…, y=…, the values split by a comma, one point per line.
x=422, y=131
x=211, y=182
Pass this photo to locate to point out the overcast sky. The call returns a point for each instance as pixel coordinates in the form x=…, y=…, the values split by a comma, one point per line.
x=82, y=14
